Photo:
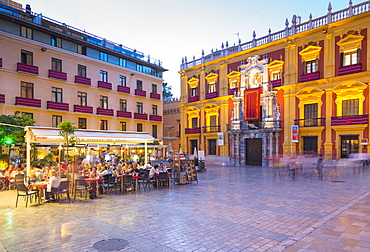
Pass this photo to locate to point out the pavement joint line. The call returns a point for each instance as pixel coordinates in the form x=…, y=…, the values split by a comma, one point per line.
x=287, y=243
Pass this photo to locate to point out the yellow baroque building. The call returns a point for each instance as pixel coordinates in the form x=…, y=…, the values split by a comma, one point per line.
x=303, y=90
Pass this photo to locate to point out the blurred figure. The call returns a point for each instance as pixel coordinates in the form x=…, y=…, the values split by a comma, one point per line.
x=320, y=166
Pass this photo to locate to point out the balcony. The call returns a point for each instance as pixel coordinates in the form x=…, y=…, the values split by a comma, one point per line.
x=254, y=125
x=349, y=120
x=140, y=92
x=57, y=75
x=351, y=69
x=276, y=83
x=310, y=122
x=124, y=114
x=193, y=98
x=155, y=96
x=28, y=102
x=27, y=68
x=57, y=105
x=105, y=85
x=192, y=130
x=211, y=95
x=209, y=129
x=140, y=116
x=2, y=98
x=83, y=109
x=233, y=91
x=155, y=118
x=103, y=111
x=123, y=89
x=309, y=77
x=82, y=80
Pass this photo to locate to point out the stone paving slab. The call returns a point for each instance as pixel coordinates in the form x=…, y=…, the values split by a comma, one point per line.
x=230, y=209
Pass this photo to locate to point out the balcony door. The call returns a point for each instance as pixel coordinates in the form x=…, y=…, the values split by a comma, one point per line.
x=348, y=145
x=310, y=145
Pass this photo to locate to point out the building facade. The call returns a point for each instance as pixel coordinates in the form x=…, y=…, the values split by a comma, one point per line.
x=302, y=90
x=55, y=72
x=171, y=124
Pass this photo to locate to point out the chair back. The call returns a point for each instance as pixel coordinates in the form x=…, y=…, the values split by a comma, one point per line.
x=163, y=175
x=22, y=187
x=19, y=178
x=127, y=178
x=80, y=182
x=111, y=180
x=63, y=185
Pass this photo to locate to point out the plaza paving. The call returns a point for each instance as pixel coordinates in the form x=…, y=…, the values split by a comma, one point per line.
x=230, y=209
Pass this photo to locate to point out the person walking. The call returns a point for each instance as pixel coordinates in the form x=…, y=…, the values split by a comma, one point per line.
x=320, y=166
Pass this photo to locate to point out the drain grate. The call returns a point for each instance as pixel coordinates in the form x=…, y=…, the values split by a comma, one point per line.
x=110, y=244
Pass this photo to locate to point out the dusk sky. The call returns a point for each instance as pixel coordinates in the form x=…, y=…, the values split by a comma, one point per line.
x=169, y=30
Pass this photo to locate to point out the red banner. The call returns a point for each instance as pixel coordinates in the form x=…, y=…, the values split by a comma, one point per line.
x=252, y=104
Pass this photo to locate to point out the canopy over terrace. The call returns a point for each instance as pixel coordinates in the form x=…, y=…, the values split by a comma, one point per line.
x=36, y=134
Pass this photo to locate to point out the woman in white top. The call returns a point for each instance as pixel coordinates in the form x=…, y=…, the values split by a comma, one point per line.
x=53, y=184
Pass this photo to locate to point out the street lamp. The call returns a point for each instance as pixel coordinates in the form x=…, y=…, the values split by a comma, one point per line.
x=9, y=141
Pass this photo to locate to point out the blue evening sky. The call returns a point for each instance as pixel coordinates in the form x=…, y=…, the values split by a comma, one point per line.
x=170, y=29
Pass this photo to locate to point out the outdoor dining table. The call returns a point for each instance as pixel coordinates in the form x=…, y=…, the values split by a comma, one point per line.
x=41, y=188
x=135, y=178
x=95, y=180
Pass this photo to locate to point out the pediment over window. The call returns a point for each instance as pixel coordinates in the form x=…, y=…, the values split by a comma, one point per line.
x=350, y=87
x=276, y=65
x=351, y=42
x=193, y=82
x=310, y=53
x=211, y=76
x=233, y=74
x=310, y=93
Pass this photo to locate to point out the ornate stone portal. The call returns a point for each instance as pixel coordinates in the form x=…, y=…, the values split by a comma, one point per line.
x=254, y=142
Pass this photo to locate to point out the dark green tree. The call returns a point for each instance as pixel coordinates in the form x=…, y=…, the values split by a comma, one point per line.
x=10, y=135
x=166, y=92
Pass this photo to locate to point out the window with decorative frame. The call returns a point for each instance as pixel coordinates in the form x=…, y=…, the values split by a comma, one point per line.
x=350, y=49
x=212, y=82
x=310, y=59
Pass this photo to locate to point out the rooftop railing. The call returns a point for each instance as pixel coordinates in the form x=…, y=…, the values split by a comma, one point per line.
x=296, y=27
x=39, y=19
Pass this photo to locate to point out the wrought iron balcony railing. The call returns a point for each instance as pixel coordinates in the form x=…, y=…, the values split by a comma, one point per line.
x=310, y=122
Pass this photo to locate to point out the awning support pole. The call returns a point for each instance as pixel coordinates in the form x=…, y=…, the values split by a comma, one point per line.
x=28, y=154
x=146, y=153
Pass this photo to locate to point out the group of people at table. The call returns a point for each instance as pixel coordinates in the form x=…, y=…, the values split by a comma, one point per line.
x=49, y=179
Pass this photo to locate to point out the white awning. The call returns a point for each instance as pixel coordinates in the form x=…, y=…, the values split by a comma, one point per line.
x=84, y=136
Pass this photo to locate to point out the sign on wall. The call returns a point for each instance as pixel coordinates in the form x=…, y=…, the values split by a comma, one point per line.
x=295, y=133
x=220, y=138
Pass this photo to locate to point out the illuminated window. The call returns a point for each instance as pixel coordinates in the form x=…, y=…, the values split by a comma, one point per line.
x=104, y=102
x=82, y=123
x=350, y=58
x=103, y=124
x=82, y=98
x=123, y=126
x=194, y=92
x=122, y=105
x=212, y=87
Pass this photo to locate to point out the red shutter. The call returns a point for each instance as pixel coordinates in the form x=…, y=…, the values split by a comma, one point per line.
x=252, y=104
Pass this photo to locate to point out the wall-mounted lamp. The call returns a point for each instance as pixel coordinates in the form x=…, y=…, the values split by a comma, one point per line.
x=324, y=31
x=43, y=49
x=289, y=41
x=132, y=74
